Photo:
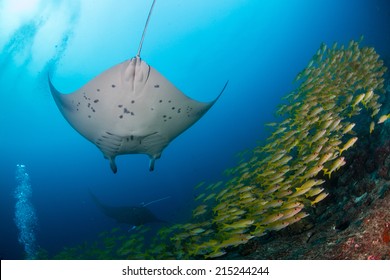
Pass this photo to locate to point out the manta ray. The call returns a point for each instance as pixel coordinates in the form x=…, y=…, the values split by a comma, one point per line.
x=130, y=109
x=130, y=215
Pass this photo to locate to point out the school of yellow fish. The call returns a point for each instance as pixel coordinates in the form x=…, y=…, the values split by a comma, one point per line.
x=276, y=181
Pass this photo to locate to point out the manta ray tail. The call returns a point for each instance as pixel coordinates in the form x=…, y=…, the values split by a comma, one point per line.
x=96, y=200
x=144, y=32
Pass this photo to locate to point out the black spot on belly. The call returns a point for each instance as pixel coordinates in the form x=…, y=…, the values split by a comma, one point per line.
x=126, y=111
x=89, y=116
x=173, y=108
x=89, y=105
x=156, y=86
x=113, y=86
x=131, y=113
x=121, y=116
x=160, y=101
x=164, y=116
x=132, y=101
x=120, y=106
x=96, y=101
x=98, y=89
x=169, y=101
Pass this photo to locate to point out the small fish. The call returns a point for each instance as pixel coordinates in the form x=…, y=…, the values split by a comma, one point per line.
x=291, y=204
x=245, y=195
x=216, y=185
x=334, y=125
x=367, y=97
x=276, y=181
x=317, y=136
x=281, y=194
x=201, y=209
x=358, y=99
x=239, y=224
x=297, y=218
x=335, y=166
x=312, y=172
x=236, y=240
x=271, y=189
x=327, y=122
x=199, y=185
x=349, y=144
x=372, y=127
x=272, y=124
x=215, y=254
x=290, y=212
x=315, y=111
x=222, y=193
x=318, y=198
x=199, y=196
x=245, y=189
x=210, y=196
x=301, y=215
x=280, y=130
x=221, y=218
x=300, y=192
x=307, y=185
x=247, y=200
x=324, y=158
x=283, y=161
x=197, y=231
x=277, y=225
x=375, y=112
x=259, y=231
x=273, y=204
x=201, y=212
x=314, y=192
x=348, y=128
x=277, y=157
x=383, y=118
x=271, y=218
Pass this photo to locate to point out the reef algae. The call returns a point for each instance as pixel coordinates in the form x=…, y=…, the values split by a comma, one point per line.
x=275, y=182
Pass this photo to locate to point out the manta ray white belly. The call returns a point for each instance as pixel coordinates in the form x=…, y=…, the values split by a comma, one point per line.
x=130, y=109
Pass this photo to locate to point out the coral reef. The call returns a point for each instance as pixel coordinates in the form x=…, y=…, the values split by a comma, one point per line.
x=294, y=174
x=352, y=224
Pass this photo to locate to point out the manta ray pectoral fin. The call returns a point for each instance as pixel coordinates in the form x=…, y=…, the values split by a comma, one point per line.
x=219, y=95
x=59, y=98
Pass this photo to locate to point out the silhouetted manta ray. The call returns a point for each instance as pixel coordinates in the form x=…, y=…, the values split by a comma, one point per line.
x=131, y=215
x=130, y=109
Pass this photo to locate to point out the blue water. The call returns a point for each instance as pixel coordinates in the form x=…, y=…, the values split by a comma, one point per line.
x=259, y=46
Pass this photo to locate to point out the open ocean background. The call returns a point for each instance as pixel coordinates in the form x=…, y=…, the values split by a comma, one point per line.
x=258, y=45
